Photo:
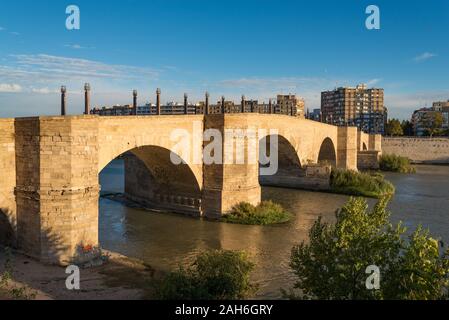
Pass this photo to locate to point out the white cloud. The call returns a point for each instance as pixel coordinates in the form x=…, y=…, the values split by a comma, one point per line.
x=56, y=67
x=74, y=46
x=402, y=105
x=10, y=88
x=44, y=90
x=15, y=33
x=2, y=29
x=373, y=82
x=77, y=46
x=46, y=71
x=424, y=56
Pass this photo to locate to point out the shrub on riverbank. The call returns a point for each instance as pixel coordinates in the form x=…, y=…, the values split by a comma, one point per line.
x=266, y=213
x=215, y=275
x=395, y=163
x=372, y=185
x=341, y=259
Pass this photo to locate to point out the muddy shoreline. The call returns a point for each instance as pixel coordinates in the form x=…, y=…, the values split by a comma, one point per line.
x=120, y=278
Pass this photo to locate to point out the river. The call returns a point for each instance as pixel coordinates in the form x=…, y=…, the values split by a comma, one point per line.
x=166, y=240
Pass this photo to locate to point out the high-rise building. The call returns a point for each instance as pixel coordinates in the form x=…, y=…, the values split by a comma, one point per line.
x=443, y=107
x=290, y=105
x=422, y=120
x=359, y=106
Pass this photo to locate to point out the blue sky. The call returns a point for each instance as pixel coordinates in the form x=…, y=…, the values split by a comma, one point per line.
x=259, y=48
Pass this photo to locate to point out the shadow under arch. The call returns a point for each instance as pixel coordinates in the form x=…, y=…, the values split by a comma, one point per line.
x=327, y=153
x=365, y=148
x=7, y=228
x=152, y=180
x=288, y=164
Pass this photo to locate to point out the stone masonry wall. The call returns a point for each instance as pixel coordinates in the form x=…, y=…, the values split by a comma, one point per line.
x=315, y=177
x=8, y=216
x=57, y=187
x=419, y=150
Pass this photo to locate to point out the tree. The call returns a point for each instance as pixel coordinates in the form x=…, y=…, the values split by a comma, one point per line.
x=215, y=275
x=407, y=128
x=333, y=265
x=394, y=128
x=434, y=123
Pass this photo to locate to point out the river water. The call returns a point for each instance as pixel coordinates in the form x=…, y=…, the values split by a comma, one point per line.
x=166, y=240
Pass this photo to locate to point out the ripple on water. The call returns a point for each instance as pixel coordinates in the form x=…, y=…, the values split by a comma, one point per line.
x=166, y=240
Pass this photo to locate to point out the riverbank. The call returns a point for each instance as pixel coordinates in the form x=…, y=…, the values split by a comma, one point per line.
x=121, y=278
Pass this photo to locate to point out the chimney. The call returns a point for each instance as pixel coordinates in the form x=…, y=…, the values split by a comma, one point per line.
x=135, y=102
x=270, y=106
x=86, y=99
x=63, y=100
x=243, y=104
x=186, y=103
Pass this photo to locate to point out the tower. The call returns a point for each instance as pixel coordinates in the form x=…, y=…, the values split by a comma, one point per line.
x=135, y=102
x=63, y=100
x=206, y=106
x=158, y=102
x=86, y=98
x=186, y=103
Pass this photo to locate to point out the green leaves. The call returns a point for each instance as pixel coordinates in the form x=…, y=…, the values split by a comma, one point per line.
x=332, y=265
x=394, y=163
x=265, y=213
x=215, y=275
x=360, y=184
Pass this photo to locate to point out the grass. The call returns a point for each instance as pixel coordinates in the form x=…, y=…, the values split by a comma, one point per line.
x=395, y=163
x=265, y=213
x=371, y=185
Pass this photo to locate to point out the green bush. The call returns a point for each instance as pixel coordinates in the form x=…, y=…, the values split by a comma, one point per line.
x=215, y=275
x=372, y=185
x=265, y=213
x=333, y=264
x=394, y=163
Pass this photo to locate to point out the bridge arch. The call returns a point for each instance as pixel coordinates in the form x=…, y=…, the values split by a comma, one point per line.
x=327, y=153
x=287, y=162
x=154, y=181
x=288, y=155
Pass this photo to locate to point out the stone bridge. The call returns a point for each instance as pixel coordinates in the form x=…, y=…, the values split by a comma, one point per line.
x=50, y=166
